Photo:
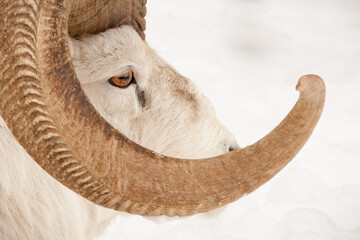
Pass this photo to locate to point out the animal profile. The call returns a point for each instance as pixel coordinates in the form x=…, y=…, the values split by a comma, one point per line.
x=93, y=120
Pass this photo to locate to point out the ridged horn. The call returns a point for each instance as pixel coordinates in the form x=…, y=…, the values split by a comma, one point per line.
x=42, y=103
x=94, y=16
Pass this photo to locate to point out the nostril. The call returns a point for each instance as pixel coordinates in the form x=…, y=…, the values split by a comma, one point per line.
x=233, y=147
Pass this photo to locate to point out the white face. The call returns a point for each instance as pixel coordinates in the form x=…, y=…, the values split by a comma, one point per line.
x=160, y=110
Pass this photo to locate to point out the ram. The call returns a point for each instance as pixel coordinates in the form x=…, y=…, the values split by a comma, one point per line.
x=79, y=115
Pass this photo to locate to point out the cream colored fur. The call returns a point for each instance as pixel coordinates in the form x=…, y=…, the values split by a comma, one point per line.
x=176, y=120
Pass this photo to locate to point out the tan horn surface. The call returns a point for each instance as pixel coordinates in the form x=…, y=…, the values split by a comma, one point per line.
x=42, y=103
x=94, y=16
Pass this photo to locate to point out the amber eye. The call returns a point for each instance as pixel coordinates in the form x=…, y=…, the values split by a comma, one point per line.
x=122, y=80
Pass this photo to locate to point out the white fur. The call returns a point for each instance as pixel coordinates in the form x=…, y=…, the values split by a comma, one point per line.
x=176, y=120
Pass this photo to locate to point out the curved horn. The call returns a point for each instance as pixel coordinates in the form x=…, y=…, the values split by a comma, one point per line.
x=42, y=103
x=93, y=16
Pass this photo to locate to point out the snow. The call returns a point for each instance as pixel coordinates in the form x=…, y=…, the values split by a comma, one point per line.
x=247, y=55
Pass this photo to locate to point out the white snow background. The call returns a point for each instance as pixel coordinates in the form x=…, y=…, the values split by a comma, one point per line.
x=246, y=56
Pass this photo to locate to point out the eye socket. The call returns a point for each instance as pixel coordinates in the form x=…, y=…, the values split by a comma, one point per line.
x=123, y=80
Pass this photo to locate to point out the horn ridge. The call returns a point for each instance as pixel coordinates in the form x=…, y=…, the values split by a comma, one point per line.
x=93, y=16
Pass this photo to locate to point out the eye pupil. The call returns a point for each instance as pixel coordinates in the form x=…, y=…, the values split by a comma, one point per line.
x=123, y=80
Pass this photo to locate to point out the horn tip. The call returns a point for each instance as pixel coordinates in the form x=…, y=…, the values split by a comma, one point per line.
x=310, y=83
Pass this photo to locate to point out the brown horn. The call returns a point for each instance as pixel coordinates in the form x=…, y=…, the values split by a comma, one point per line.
x=93, y=16
x=42, y=103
